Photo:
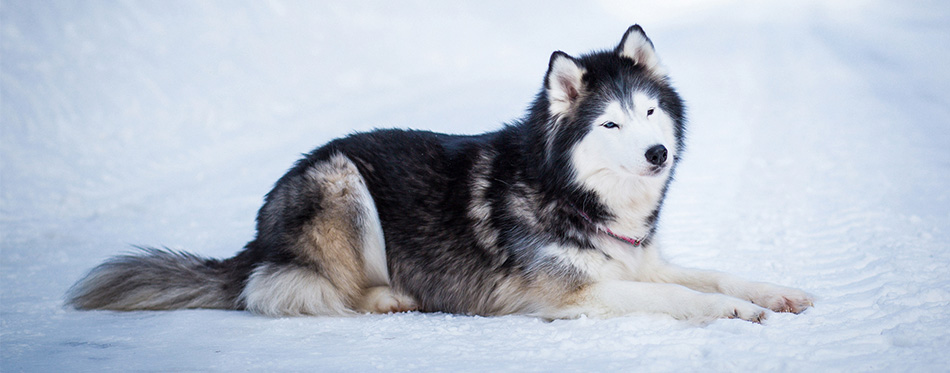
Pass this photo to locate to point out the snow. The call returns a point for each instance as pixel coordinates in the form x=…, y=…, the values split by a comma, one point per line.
x=817, y=159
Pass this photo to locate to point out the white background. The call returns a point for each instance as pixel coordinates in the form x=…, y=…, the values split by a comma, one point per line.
x=818, y=158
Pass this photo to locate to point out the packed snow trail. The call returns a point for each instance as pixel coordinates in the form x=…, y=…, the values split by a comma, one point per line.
x=817, y=158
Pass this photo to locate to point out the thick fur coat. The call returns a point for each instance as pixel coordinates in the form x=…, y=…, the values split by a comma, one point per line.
x=553, y=215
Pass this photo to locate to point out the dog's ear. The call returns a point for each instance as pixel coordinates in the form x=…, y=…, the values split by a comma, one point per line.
x=563, y=82
x=636, y=46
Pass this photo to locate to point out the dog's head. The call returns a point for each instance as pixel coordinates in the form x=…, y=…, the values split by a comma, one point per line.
x=613, y=115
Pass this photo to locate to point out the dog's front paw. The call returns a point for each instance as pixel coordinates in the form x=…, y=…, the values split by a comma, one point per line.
x=781, y=299
x=720, y=306
x=733, y=308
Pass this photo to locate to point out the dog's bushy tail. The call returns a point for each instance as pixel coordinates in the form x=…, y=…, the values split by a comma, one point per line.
x=153, y=279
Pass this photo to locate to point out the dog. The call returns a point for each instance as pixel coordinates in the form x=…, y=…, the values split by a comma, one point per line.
x=554, y=216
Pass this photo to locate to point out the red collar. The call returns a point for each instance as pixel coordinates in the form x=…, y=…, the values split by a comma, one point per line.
x=603, y=228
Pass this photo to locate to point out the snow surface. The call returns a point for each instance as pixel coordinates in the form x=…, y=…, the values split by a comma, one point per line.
x=818, y=158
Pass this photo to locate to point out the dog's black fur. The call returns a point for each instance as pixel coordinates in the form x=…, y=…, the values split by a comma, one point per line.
x=438, y=252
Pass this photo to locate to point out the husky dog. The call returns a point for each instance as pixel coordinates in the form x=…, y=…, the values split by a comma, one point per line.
x=554, y=216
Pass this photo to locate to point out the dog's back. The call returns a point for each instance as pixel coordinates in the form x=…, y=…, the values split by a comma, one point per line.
x=553, y=216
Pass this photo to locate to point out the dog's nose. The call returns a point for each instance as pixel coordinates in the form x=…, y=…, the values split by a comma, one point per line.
x=656, y=154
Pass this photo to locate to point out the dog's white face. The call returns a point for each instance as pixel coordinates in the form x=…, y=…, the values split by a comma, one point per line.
x=627, y=152
x=631, y=140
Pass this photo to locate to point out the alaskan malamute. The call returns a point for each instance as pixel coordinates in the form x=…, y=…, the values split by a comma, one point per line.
x=553, y=215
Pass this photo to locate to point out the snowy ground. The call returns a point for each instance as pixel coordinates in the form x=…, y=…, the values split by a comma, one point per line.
x=818, y=159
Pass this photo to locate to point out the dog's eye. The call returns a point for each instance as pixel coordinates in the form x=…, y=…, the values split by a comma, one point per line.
x=649, y=111
x=610, y=125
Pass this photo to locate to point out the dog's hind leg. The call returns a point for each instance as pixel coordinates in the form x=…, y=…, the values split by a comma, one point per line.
x=333, y=232
x=382, y=299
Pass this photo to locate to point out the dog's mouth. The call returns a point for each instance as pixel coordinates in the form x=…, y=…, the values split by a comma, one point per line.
x=653, y=171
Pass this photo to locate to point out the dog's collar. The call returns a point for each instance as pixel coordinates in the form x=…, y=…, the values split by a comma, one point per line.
x=603, y=228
